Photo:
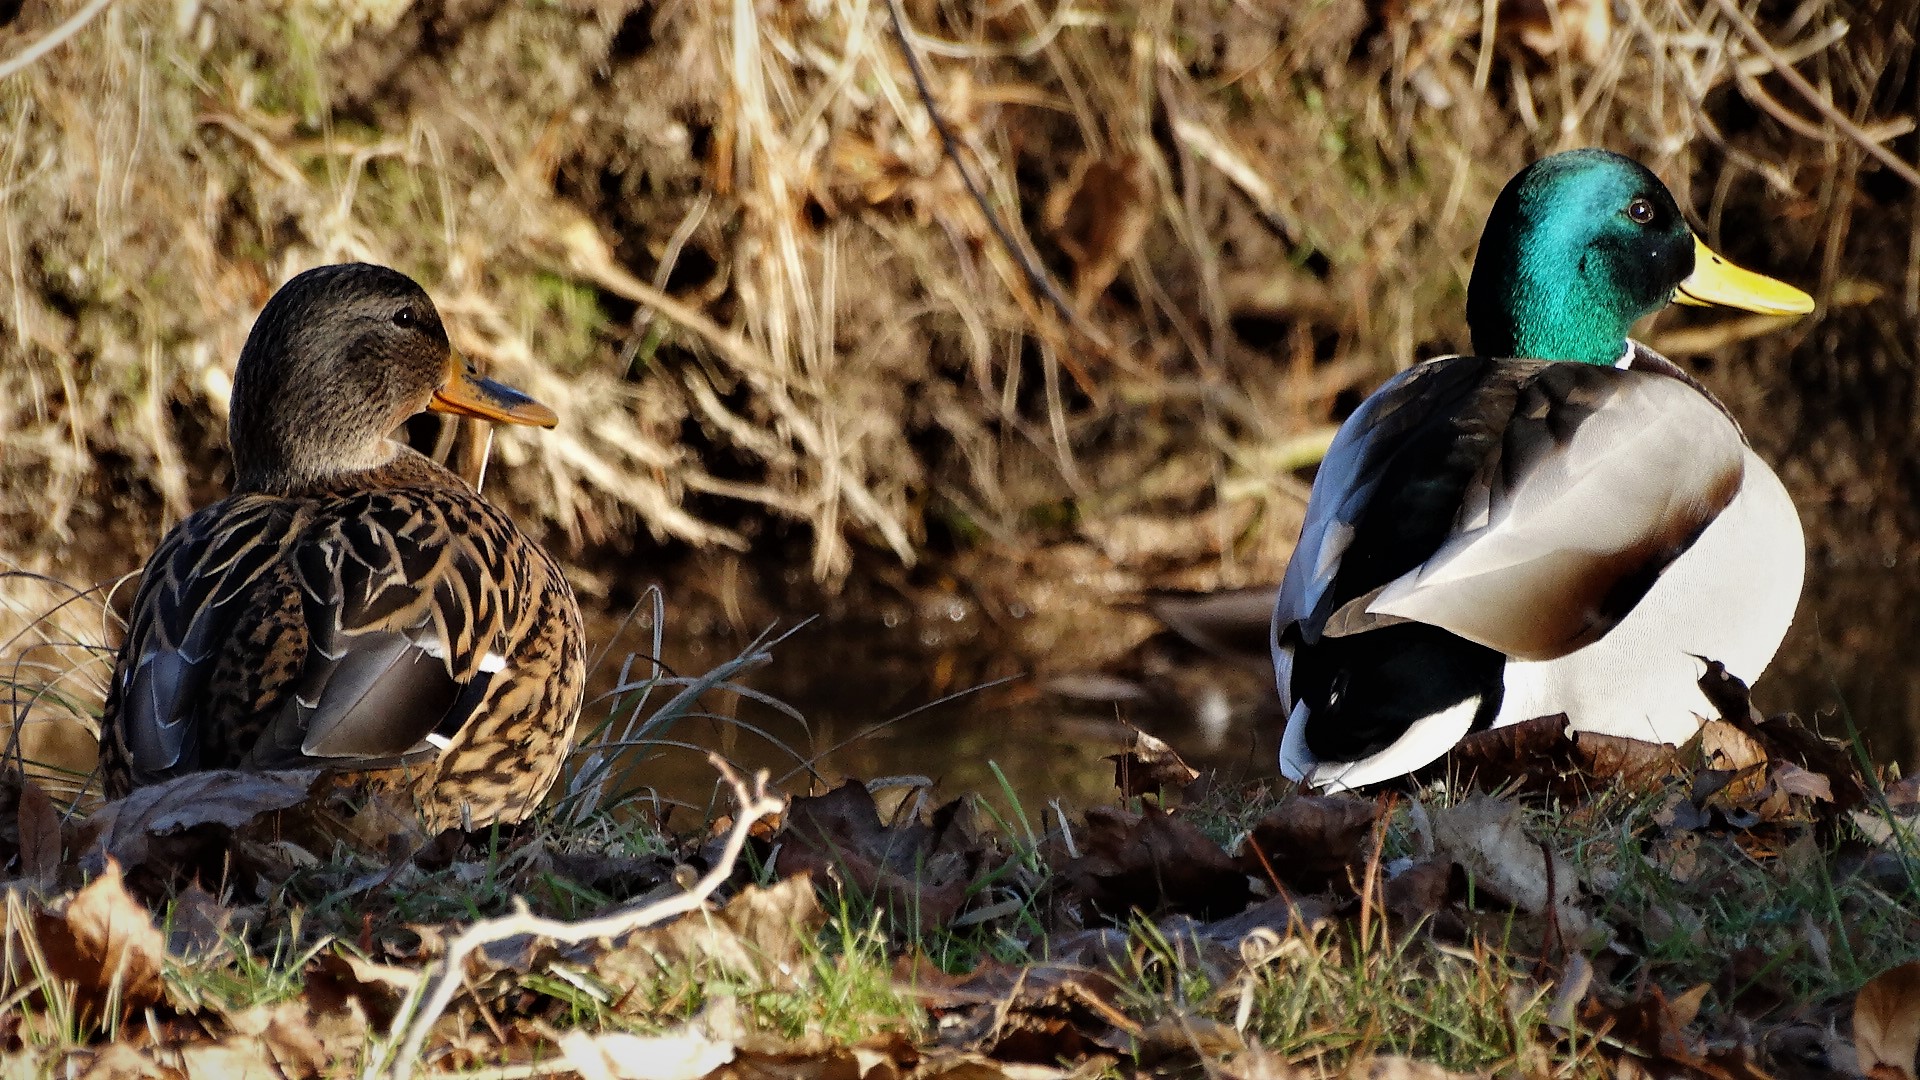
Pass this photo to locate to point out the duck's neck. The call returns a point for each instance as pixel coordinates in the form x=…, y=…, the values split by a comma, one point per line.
x=1565, y=317
x=275, y=470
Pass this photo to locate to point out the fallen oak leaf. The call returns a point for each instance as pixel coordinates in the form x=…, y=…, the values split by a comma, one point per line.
x=1099, y=215
x=761, y=936
x=1031, y=1013
x=234, y=1058
x=1422, y=890
x=120, y=1061
x=924, y=872
x=1728, y=694
x=105, y=944
x=1485, y=836
x=1725, y=747
x=1886, y=1023
x=1533, y=755
x=1311, y=843
x=1633, y=763
x=1149, y=766
x=197, y=925
x=287, y=1034
x=1795, y=780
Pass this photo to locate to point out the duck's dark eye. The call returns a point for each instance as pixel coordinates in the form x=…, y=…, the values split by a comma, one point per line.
x=1641, y=211
x=404, y=318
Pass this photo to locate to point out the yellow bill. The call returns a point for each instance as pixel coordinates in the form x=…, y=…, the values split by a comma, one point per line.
x=1715, y=281
x=466, y=393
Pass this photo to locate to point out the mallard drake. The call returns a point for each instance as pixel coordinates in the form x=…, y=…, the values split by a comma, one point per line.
x=1492, y=539
x=352, y=605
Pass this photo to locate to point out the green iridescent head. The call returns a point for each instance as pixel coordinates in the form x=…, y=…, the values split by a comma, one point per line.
x=1580, y=246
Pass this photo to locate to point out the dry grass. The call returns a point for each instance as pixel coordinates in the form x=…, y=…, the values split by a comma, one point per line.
x=725, y=241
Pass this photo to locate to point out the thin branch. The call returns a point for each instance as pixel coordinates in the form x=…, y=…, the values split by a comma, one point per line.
x=1784, y=68
x=411, y=1027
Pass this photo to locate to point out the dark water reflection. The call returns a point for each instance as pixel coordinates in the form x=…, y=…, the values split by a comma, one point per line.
x=1849, y=658
x=877, y=705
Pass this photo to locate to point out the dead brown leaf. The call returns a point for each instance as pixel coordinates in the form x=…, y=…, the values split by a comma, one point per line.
x=197, y=924
x=1312, y=843
x=228, y=1059
x=1725, y=746
x=685, y=1054
x=287, y=1034
x=1420, y=891
x=1886, y=1023
x=919, y=871
x=1149, y=767
x=1728, y=695
x=1626, y=762
x=344, y=987
x=187, y=823
x=120, y=1061
x=1153, y=862
x=1533, y=755
x=885, y=1057
x=761, y=935
x=1485, y=836
x=1805, y=783
x=1657, y=1029
x=104, y=943
x=951, y=1066
x=1099, y=215
x=1261, y=1064
x=1040, y=1013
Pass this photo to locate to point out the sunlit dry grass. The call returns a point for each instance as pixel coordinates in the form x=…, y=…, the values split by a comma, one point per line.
x=730, y=248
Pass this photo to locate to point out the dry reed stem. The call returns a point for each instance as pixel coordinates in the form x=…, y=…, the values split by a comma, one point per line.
x=816, y=296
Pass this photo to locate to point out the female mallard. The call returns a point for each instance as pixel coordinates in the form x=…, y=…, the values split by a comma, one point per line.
x=1491, y=540
x=352, y=605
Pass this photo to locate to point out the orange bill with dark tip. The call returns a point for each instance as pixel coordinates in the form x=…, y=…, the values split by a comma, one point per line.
x=468, y=394
x=1717, y=282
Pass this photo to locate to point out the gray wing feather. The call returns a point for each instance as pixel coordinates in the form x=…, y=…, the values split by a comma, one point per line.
x=1552, y=549
x=1593, y=481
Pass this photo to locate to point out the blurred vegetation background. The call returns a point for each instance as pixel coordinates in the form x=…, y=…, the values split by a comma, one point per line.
x=795, y=362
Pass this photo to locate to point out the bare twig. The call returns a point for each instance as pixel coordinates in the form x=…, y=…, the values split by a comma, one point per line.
x=411, y=1027
x=1784, y=68
x=54, y=39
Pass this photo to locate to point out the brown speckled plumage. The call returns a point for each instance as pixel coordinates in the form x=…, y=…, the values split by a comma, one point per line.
x=382, y=618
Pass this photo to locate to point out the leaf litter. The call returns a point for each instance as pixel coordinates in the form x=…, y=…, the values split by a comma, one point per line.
x=1542, y=902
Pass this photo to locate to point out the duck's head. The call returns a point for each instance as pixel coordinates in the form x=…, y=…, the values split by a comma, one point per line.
x=339, y=358
x=1580, y=246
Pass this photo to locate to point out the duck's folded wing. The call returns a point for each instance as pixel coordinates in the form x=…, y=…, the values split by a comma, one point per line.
x=1363, y=485
x=189, y=602
x=1597, y=480
x=403, y=595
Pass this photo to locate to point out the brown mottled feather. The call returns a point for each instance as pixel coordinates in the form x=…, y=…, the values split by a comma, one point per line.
x=408, y=549
x=353, y=605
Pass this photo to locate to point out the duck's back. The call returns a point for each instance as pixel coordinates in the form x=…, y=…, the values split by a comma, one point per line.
x=398, y=623
x=1482, y=516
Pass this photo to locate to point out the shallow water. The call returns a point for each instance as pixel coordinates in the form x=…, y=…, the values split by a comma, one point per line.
x=877, y=705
